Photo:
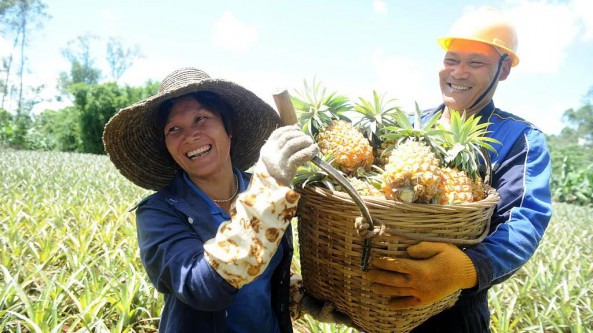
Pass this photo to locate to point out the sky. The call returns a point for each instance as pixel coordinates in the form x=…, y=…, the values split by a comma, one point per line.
x=351, y=47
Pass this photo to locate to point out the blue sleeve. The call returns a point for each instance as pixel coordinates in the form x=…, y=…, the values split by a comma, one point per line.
x=521, y=177
x=172, y=255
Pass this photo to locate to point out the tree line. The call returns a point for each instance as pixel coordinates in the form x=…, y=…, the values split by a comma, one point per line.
x=96, y=96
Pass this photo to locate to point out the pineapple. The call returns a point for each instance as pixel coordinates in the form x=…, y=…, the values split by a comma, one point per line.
x=412, y=173
x=350, y=149
x=464, y=142
x=457, y=186
x=363, y=187
x=478, y=190
x=322, y=116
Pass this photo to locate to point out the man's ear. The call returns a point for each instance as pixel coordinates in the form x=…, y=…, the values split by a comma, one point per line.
x=505, y=70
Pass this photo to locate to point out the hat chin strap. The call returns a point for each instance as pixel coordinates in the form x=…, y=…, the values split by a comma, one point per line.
x=502, y=58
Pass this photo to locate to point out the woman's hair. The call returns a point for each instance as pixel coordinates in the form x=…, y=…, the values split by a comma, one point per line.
x=209, y=100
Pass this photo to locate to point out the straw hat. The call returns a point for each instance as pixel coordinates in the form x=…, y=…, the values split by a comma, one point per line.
x=132, y=141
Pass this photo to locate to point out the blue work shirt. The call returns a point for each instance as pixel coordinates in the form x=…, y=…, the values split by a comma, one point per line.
x=247, y=313
x=521, y=170
x=173, y=224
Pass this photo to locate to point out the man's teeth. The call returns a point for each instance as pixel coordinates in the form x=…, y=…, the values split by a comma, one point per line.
x=456, y=87
x=199, y=151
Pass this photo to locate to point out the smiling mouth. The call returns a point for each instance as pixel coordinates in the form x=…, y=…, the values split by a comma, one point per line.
x=458, y=87
x=199, y=152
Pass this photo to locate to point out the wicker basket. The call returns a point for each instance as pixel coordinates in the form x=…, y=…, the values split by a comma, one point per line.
x=331, y=250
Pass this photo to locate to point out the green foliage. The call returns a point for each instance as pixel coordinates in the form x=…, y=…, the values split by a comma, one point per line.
x=566, y=145
x=69, y=257
x=68, y=253
x=98, y=103
x=14, y=130
x=77, y=128
x=553, y=292
x=376, y=116
x=316, y=108
x=582, y=118
x=573, y=185
x=6, y=127
x=59, y=129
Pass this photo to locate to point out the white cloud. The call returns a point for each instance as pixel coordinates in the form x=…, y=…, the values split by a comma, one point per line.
x=583, y=9
x=145, y=69
x=545, y=31
x=380, y=6
x=108, y=15
x=406, y=80
x=232, y=34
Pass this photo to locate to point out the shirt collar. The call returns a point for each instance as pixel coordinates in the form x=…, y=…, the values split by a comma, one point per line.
x=213, y=208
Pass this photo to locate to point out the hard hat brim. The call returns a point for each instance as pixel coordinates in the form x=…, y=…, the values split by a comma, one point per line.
x=445, y=43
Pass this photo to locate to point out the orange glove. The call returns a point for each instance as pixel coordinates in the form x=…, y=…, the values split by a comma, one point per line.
x=435, y=271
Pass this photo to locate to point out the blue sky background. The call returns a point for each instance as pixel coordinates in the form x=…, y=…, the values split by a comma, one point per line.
x=352, y=47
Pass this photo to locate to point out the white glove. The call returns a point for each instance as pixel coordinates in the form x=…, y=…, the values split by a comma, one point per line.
x=286, y=149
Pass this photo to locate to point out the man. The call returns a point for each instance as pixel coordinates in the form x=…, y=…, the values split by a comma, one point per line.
x=480, y=52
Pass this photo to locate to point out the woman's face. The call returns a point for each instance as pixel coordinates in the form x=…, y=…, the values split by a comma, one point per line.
x=196, y=139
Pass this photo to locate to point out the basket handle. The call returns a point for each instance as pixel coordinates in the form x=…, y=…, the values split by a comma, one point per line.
x=288, y=117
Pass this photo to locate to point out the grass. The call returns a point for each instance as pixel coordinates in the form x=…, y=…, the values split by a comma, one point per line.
x=69, y=259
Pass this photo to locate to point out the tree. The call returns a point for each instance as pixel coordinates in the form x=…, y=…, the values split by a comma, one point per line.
x=98, y=103
x=59, y=130
x=82, y=68
x=17, y=18
x=119, y=58
x=582, y=119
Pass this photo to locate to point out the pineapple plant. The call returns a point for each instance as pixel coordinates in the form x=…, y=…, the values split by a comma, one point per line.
x=322, y=115
x=412, y=173
x=376, y=116
x=465, y=142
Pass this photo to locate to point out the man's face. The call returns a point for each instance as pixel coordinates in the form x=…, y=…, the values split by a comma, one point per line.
x=468, y=69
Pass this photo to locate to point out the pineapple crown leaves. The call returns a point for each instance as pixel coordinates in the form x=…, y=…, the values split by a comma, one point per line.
x=465, y=141
x=309, y=174
x=316, y=108
x=430, y=133
x=376, y=116
x=373, y=176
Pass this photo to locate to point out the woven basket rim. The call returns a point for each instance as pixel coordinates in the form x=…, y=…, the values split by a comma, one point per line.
x=491, y=199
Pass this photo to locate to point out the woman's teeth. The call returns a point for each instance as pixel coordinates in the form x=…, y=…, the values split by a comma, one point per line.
x=199, y=152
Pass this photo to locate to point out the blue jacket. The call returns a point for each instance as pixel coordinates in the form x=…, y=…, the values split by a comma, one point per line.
x=173, y=225
x=521, y=171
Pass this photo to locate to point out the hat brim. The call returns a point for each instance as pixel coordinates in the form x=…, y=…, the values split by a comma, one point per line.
x=131, y=137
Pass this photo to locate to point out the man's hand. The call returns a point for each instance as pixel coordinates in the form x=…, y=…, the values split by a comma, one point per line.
x=435, y=271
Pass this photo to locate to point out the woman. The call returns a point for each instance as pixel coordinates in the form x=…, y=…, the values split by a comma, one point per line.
x=213, y=239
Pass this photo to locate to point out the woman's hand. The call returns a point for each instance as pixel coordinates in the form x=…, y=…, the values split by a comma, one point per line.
x=286, y=149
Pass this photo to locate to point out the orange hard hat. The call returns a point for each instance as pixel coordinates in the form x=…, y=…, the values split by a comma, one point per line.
x=486, y=25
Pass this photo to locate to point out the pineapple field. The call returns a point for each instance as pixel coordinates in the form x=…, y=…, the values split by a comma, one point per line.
x=69, y=260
